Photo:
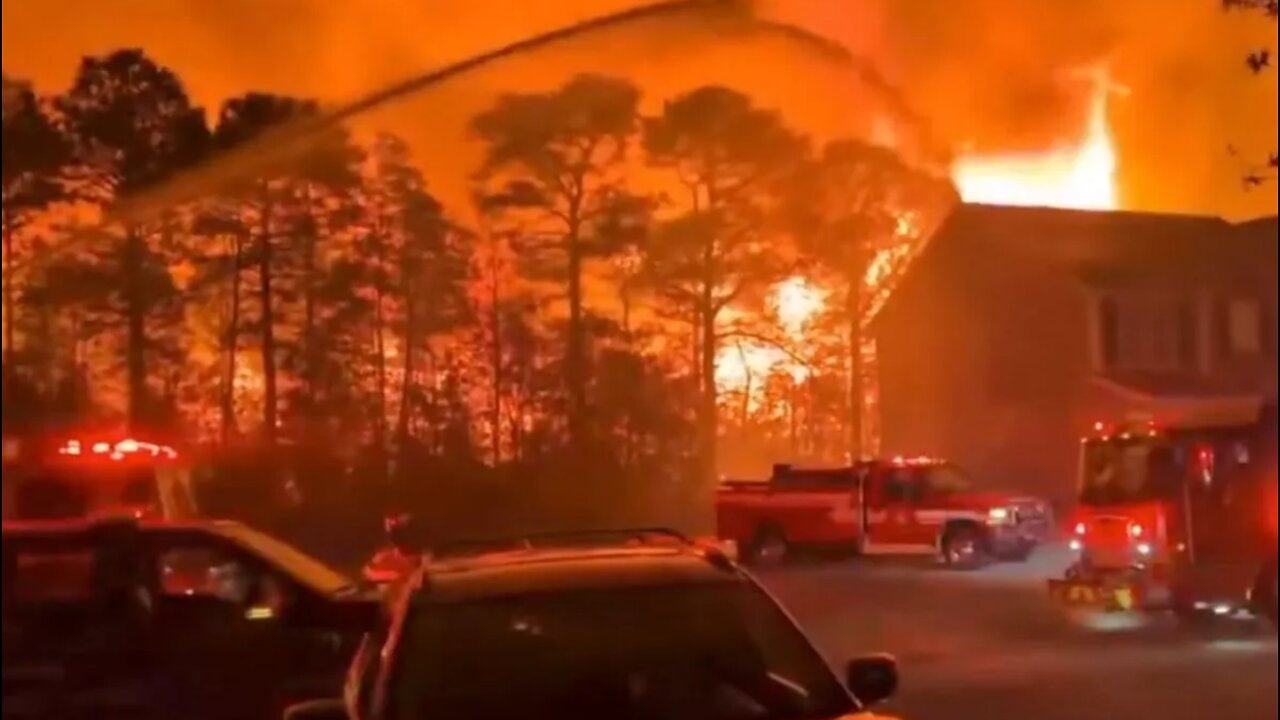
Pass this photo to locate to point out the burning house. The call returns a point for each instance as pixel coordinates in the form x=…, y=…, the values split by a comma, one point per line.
x=1018, y=328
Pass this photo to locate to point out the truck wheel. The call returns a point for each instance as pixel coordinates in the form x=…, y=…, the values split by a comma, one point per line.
x=769, y=548
x=964, y=548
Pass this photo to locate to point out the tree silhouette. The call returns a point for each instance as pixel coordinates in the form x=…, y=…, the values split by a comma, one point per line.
x=278, y=203
x=133, y=127
x=560, y=159
x=731, y=158
x=35, y=151
x=414, y=271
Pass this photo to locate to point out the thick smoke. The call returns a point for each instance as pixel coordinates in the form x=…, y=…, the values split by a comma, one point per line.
x=994, y=75
x=1001, y=75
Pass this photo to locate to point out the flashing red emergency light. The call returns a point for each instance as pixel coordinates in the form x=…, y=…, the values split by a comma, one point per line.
x=922, y=461
x=125, y=449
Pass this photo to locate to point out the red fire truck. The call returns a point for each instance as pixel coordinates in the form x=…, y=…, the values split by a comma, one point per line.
x=1179, y=517
x=902, y=507
x=60, y=478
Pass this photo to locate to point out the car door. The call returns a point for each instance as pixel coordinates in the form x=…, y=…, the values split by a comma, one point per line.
x=220, y=613
x=893, y=497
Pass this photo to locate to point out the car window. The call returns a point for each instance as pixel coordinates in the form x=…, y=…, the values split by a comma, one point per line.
x=203, y=571
x=726, y=653
x=947, y=480
x=902, y=485
x=301, y=566
x=214, y=572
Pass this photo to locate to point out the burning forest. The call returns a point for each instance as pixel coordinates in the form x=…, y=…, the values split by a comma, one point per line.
x=662, y=280
x=331, y=300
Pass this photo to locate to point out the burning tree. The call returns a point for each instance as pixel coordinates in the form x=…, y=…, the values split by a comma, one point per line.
x=732, y=159
x=35, y=152
x=559, y=159
x=277, y=203
x=863, y=214
x=132, y=127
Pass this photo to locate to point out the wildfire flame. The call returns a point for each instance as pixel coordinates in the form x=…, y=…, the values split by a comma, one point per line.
x=1080, y=175
x=744, y=366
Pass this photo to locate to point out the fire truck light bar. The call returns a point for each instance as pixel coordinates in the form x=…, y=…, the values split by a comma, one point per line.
x=120, y=451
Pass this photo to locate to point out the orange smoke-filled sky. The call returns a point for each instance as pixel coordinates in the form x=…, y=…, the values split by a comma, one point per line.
x=990, y=75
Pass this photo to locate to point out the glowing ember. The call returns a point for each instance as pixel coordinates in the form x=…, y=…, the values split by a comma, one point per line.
x=1075, y=176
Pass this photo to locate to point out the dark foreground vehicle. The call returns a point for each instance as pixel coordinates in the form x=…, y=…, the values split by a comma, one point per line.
x=168, y=621
x=645, y=626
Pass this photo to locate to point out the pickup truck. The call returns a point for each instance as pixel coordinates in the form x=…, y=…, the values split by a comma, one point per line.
x=893, y=507
x=155, y=620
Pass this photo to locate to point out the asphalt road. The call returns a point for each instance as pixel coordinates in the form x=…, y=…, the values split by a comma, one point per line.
x=990, y=646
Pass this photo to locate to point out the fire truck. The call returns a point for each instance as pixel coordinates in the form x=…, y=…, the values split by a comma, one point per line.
x=1178, y=517
x=924, y=507
x=63, y=478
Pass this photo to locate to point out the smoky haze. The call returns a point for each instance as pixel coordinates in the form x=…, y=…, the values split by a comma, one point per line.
x=989, y=75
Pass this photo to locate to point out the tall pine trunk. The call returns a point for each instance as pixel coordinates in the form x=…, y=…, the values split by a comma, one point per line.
x=854, y=429
x=135, y=317
x=310, y=343
x=577, y=363
x=232, y=344
x=498, y=352
x=380, y=367
x=708, y=414
x=854, y=306
x=10, y=299
x=270, y=399
x=410, y=369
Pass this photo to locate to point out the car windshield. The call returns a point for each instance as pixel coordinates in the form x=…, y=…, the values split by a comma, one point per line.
x=1122, y=471
x=725, y=652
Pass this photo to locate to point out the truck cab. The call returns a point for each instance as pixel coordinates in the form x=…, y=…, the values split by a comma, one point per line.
x=49, y=479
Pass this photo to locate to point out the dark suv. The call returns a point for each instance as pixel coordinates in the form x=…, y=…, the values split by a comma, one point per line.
x=646, y=626
x=141, y=620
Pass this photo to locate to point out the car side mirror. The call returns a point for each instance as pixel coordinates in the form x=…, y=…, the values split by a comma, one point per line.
x=873, y=679
x=318, y=710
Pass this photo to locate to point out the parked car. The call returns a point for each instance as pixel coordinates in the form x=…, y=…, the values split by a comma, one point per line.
x=638, y=626
x=893, y=507
x=129, y=619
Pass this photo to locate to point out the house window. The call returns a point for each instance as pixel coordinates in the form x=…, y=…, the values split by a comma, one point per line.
x=1244, y=327
x=1147, y=333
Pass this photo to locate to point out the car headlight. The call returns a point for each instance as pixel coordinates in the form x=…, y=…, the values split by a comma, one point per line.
x=1000, y=516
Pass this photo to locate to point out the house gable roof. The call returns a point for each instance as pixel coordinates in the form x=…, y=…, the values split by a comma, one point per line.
x=1105, y=247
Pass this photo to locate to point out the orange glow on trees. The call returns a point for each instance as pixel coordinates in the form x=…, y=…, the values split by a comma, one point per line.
x=1079, y=174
